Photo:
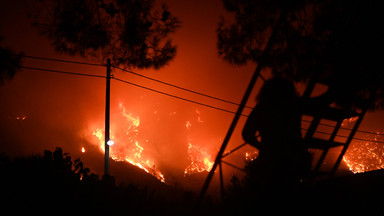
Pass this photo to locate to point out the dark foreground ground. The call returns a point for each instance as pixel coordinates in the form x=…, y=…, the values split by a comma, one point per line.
x=54, y=183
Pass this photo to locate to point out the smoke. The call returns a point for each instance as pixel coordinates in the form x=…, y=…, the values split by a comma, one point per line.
x=54, y=108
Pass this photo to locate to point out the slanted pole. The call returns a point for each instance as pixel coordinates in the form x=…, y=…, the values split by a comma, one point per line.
x=240, y=108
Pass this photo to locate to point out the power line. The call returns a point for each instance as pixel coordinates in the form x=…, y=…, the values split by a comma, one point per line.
x=343, y=128
x=179, y=87
x=188, y=100
x=62, y=72
x=137, y=85
x=213, y=107
x=159, y=81
x=228, y=111
x=137, y=74
x=343, y=136
x=61, y=60
x=174, y=96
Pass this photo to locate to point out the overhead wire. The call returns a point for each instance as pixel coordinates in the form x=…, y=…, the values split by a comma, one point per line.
x=134, y=84
x=137, y=74
x=228, y=111
x=343, y=136
x=62, y=72
x=185, y=99
x=172, y=85
x=344, y=128
x=174, y=96
x=154, y=90
x=179, y=87
x=62, y=60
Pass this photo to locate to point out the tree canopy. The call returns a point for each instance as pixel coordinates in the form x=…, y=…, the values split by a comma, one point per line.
x=10, y=62
x=130, y=32
x=339, y=42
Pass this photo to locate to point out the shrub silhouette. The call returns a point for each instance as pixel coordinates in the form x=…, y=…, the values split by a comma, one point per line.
x=54, y=183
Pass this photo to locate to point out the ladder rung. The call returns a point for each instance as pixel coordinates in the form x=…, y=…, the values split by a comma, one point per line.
x=323, y=144
x=330, y=113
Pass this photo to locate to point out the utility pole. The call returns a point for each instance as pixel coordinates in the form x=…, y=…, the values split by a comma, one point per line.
x=107, y=104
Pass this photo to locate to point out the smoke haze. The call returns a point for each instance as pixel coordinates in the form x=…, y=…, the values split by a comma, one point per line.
x=41, y=110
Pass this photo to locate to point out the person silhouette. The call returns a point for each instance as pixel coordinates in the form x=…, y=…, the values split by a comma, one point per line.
x=283, y=159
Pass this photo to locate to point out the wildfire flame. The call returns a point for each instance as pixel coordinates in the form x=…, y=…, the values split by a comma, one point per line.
x=200, y=160
x=365, y=156
x=250, y=156
x=127, y=147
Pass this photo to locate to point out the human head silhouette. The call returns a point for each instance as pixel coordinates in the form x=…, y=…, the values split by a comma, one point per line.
x=277, y=91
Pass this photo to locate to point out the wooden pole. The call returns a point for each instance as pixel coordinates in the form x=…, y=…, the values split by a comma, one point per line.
x=107, y=105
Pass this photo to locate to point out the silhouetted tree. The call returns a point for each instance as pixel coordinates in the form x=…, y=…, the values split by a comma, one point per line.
x=130, y=32
x=339, y=42
x=51, y=183
x=10, y=62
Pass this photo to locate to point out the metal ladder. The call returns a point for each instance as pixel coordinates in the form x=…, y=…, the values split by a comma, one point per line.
x=325, y=111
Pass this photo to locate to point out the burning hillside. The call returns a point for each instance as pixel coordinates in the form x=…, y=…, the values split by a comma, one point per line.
x=200, y=160
x=127, y=144
x=365, y=156
x=132, y=145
